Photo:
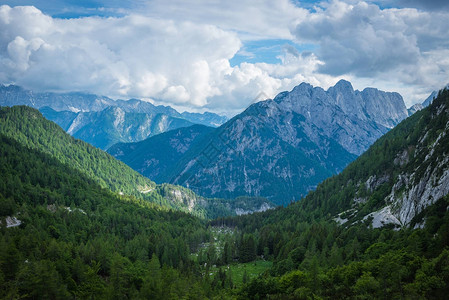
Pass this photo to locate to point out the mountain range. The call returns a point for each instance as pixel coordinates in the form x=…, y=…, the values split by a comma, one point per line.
x=112, y=125
x=101, y=121
x=377, y=230
x=279, y=149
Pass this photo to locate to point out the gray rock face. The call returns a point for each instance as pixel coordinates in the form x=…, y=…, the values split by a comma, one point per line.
x=354, y=119
x=421, y=169
x=420, y=192
x=284, y=147
x=113, y=125
x=414, y=108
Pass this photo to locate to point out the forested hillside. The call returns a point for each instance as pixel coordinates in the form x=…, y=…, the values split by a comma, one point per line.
x=30, y=128
x=69, y=238
x=79, y=240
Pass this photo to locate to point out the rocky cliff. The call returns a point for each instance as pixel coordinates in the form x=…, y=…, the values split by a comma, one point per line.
x=398, y=177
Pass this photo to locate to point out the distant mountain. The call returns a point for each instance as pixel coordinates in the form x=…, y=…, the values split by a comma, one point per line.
x=206, y=118
x=432, y=96
x=14, y=95
x=414, y=108
x=282, y=148
x=418, y=106
x=112, y=125
x=102, y=121
x=159, y=152
x=429, y=99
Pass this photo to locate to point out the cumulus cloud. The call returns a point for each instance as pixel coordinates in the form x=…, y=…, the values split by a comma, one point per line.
x=176, y=62
x=365, y=41
x=251, y=19
x=129, y=56
x=179, y=53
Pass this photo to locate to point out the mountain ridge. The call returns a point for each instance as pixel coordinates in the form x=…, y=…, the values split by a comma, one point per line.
x=102, y=125
x=113, y=125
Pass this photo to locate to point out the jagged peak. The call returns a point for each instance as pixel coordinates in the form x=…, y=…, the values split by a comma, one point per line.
x=304, y=85
x=343, y=85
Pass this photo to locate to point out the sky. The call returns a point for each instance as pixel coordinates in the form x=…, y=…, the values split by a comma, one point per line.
x=223, y=55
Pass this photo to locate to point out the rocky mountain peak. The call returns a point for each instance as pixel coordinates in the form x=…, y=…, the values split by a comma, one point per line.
x=289, y=143
x=343, y=86
x=303, y=89
x=432, y=96
x=386, y=108
x=353, y=118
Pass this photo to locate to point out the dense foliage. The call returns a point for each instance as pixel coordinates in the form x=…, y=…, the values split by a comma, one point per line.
x=81, y=240
x=319, y=258
x=31, y=129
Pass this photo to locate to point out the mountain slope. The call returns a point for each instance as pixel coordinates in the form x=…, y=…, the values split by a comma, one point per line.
x=159, y=152
x=246, y=156
x=82, y=102
x=31, y=129
x=14, y=95
x=206, y=118
x=113, y=125
x=398, y=177
x=282, y=148
x=75, y=239
x=102, y=121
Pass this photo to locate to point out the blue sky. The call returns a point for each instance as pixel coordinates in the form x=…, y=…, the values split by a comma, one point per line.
x=267, y=51
x=218, y=55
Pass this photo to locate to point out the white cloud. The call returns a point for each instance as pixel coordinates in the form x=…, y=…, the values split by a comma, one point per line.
x=252, y=19
x=176, y=62
x=178, y=53
x=406, y=46
x=130, y=56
